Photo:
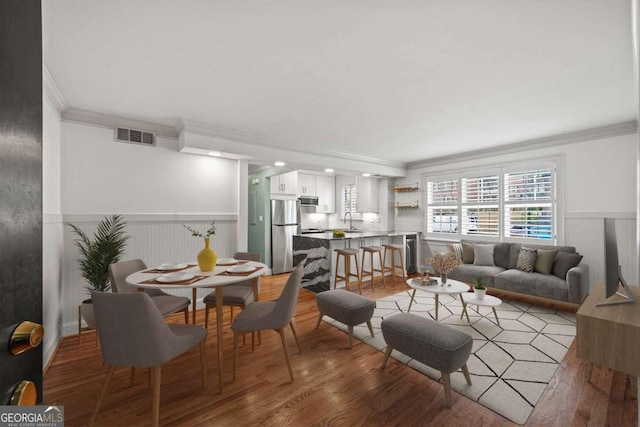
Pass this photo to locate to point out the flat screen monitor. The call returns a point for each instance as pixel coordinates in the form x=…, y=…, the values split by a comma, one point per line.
x=612, y=270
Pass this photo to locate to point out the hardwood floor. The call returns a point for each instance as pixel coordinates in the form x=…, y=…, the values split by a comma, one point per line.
x=333, y=385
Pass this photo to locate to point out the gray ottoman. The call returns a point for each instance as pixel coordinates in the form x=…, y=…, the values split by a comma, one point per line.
x=346, y=307
x=434, y=344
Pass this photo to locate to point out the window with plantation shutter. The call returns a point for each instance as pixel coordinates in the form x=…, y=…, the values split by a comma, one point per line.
x=348, y=199
x=481, y=205
x=506, y=202
x=442, y=205
x=529, y=203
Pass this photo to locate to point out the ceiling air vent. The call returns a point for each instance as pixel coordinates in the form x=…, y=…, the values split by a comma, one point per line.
x=135, y=136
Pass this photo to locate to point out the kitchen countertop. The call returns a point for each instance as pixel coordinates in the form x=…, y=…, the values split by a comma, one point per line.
x=328, y=235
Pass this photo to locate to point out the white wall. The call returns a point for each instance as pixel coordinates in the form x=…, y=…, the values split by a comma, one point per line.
x=157, y=189
x=599, y=180
x=51, y=230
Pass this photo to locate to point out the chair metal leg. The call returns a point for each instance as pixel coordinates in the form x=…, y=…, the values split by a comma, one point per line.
x=203, y=365
x=295, y=336
x=103, y=390
x=387, y=353
x=286, y=351
x=157, y=372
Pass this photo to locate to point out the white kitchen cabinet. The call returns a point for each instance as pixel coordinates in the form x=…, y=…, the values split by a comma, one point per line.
x=307, y=184
x=326, y=192
x=285, y=183
x=367, y=190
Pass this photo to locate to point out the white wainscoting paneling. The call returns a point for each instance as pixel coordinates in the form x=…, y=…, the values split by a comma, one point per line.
x=155, y=241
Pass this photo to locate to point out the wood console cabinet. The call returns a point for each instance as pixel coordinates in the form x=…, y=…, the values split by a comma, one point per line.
x=610, y=335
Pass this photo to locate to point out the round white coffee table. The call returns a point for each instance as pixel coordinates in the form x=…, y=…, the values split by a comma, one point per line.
x=487, y=301
x=452, y=287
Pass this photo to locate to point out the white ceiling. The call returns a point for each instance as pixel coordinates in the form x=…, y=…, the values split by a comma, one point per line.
x=394, y=80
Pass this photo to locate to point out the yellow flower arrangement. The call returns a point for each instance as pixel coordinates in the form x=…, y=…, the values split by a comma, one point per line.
x=444, y=263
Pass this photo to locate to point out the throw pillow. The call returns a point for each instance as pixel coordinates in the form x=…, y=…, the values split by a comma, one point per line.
x=483, y=255
x=467, y=253
x=544, y=260
x=564, y=262
x=527, y=259
x=456, y=248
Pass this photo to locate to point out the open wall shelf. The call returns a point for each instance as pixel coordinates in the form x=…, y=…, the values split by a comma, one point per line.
x=406, y=187
x=412, y=205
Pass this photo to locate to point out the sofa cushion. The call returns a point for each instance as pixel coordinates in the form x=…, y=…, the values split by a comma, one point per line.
x=467, y=253
x=468, y=272
x=538, y=284
x=483, y=255
x=564, y=262
x=514, y=251
x=500, y=252
x=456, y=248
x=545, y=260
x=527, y=259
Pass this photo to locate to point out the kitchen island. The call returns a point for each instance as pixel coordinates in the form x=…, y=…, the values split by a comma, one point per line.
x=317, y=251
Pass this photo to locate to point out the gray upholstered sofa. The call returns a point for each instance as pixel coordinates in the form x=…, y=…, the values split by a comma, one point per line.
x=571, y=287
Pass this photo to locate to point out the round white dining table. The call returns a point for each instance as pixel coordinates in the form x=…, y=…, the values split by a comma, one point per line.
x=217, y=279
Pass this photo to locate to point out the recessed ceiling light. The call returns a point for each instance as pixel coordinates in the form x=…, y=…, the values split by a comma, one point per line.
x=366, y=174
x=214, y=153
x=279, y=164
x=328, y=170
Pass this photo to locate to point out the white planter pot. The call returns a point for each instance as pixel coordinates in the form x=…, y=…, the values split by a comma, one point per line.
x=479, y=293
x=87, y=313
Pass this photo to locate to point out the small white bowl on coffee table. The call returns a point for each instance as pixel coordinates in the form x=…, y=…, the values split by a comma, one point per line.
x=487, y=301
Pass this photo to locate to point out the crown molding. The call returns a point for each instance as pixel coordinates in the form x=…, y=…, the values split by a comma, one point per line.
x=616, y=129
x=76, y=115
x=52, y=92
x=238, y=136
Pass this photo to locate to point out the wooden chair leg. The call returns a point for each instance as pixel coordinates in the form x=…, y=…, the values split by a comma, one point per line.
x=295, y=336
x=465, y=372
x=319, y=320
x=359, y=278
x=387, y=353
x=370, y=328
x=186, y=315
x=231, y=307
x=203, y=365
x=132, y=377
x=103, y=391
x=206, y=316
x=157, y=372
x=286, y=351
x=235, y=353
x=382, y=268
x=350, y=336
x=446, y=382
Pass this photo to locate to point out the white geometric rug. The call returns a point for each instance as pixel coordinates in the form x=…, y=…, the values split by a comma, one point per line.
x=510, y=365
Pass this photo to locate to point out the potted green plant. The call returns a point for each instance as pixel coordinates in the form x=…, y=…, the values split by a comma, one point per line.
x=96, y=254
x=479, y=290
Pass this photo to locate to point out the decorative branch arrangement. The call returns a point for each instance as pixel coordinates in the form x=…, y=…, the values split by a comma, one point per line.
x=196, y=233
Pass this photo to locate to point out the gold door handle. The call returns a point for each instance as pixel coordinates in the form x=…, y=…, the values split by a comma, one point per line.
x=25, y=394
x=26, y=336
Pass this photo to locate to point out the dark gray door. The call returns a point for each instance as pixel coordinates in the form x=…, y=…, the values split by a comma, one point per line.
x=20, y=187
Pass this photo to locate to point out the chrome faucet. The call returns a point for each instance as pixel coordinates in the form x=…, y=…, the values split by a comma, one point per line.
x=350, y=219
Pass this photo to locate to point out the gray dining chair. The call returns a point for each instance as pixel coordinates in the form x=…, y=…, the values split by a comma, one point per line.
x=166, y=303
x=134, y=334
x=276, y=315
x=237, y=295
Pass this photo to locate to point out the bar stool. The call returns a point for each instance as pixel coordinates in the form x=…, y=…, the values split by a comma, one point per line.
x=392, y=248
x=372, y=250
x=346, y=255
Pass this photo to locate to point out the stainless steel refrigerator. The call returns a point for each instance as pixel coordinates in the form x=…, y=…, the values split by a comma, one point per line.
x=285, y=222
